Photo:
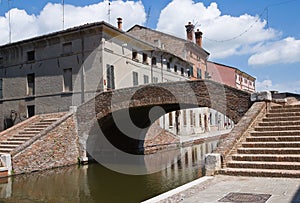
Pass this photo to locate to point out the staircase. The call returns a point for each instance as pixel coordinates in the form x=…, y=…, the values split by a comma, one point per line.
x=272, y=149
x=25, y=134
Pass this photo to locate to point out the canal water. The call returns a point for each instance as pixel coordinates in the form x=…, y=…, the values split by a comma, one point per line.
x=95, y=183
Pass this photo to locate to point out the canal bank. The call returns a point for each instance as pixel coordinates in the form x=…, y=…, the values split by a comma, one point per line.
x=223, y=188
x=95, y=183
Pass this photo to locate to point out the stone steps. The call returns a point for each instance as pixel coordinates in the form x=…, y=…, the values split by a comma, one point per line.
x=18, y=139
x=279, y=123
x=18, y=142
x=25, y=134
x=277, y=128
x=262, y=150
x=5, y=150
x=276, y=133
x=271, y=144
x=267, y=157
x=275, y=119
x=261, y=172
x=8, y=145
x=272, y=149
x=284, y=114
x=285, y=107
x=264, y=165
x=274, y=139
x=284, y=110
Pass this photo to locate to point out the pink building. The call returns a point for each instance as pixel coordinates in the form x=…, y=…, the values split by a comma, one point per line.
x=230, y=76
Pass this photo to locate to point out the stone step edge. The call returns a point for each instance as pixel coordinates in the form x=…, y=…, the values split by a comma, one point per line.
x=261, y=172
x=264, y=165
x=272, y=143
x=277, y=139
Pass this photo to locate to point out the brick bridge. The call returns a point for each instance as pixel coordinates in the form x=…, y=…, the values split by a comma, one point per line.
x=123, y=116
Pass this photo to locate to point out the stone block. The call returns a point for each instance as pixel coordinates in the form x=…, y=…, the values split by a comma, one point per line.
x=213, y=163
x=261, y=96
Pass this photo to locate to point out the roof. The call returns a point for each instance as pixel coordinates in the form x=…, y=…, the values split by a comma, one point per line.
x=86, y=26
x=81, y=27
x=177, y=38
x=236, y=69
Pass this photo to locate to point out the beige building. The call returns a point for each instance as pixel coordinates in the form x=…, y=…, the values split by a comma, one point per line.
x=190, y=49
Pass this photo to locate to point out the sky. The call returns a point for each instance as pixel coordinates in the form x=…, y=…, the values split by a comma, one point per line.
x=259, y=37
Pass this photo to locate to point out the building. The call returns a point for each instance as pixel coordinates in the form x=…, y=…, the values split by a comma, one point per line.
x=193, y=121
x=231, y=76
x=189, y=49
x=52, y=72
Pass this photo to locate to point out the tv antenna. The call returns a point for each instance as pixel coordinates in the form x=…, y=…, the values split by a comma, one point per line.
x=63, y=14
x=109, y=11
x=148, y=16
x=9, y=21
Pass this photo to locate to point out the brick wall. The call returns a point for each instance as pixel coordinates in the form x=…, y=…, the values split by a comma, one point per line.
x=57, y=148
x=231, y=102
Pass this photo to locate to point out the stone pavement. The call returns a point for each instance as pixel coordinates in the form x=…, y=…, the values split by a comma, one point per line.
x=218, y=189
x=281, y=190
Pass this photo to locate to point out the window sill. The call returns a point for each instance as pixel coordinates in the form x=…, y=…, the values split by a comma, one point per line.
x=67, y=93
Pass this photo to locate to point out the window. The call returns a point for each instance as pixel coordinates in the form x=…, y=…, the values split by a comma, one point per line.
x=30, y=55
x=189, y=73
x=134, y=55
x=146, y=79
x=153, y=61
x=1, y=88
x=30, y=84
x=135, y=78
x=1, y=60
x=184, y=117
x=175, y=68
x=199, y=73
x=191, y=70
x=245, y=80
x=145, y=58
x=191, y=117
x=110, y=76
x=170, y=119
x=67, y=80
x=30, y=111
x=155, y=79
x=168, y=66
x=67, y=48
x=182, y=71
x=200, y=120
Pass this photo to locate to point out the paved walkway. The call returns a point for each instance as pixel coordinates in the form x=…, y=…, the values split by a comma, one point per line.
x=194, y=137
x=214, y=189
x=281, y=189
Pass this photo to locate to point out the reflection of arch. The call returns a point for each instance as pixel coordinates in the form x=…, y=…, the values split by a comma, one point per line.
x=106, y=107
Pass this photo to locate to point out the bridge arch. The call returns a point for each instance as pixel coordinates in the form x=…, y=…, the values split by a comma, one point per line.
x=124, y=116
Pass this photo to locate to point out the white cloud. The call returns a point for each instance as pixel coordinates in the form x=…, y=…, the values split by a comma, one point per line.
x=269, y=85
x=217, y=29
x=49, y=19
x=284, y=51
x=264, y=85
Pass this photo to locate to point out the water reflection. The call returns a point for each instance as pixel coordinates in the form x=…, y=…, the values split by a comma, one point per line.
x=95, y=183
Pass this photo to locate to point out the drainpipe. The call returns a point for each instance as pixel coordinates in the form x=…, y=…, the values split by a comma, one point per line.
x=151, y=71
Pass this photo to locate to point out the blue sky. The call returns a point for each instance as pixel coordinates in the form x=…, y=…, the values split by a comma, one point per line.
x=260, y=37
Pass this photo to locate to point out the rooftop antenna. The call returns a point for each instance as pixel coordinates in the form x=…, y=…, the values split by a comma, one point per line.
x=148, y=16
x=63, y=14
x=109, y=11
x=9, y=21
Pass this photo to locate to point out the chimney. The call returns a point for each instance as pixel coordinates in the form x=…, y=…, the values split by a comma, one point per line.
x=120, y=23
x=198, y=36
x=190, y=31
